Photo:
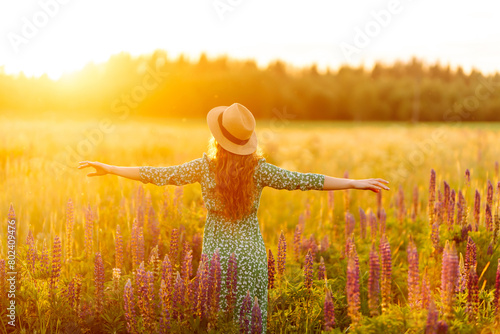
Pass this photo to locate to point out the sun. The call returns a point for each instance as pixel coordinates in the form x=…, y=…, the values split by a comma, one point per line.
x=53, y=67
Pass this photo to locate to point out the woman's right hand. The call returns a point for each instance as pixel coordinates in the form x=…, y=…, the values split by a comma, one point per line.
x=100, y=168
x=374, y=185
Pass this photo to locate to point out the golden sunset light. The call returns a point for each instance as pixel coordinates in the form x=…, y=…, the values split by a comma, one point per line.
x=237, y=166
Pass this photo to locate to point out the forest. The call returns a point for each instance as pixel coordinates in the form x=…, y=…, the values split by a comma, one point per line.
x=157, y=85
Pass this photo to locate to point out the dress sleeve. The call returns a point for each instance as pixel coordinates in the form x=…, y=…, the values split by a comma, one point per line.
x=280, y=178
x=189, y=172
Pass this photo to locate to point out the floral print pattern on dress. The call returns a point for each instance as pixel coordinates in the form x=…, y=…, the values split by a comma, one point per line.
x=244, y=237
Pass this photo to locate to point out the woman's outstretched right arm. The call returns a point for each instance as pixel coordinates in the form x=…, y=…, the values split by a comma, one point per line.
x=335, y=183
x=103, y=169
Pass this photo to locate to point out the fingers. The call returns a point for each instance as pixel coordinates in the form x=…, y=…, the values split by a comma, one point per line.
x=92, y=174
x=374, y=185
x=380, y=185
x=84, y=164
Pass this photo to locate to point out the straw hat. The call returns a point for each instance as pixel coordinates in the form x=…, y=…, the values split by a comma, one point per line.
x=234, y=128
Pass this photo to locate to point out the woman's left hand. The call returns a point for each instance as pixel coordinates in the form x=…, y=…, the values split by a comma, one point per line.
x=100, y=168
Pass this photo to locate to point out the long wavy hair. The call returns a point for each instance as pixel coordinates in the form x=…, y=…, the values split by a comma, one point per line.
x=234, y=183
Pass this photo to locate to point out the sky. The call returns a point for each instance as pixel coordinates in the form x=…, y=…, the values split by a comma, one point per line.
x=57, y=36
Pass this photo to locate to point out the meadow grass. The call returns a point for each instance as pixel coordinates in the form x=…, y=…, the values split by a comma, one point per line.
x=39, y=178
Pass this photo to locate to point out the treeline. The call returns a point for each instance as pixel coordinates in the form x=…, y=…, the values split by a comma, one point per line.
x=158, y=86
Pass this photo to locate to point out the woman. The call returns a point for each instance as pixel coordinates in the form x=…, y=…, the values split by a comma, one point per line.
x=232, y=179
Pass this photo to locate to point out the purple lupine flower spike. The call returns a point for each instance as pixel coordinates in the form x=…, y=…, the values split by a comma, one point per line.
x=256, y=317
x=353, y=300
x=148, y=297
x=232, y=282
x=442, y=327
x=477, y=210
x=73, y=293
x=271, y=270
x=470, y=258
x=129, y=307
x=489, y=194
x=174, y=241
x=193, y=287
x=413, y=275
x=99, y=283
x=328, y=311
x=215, y=284
x=308, y=270
x=154, y=263
x=449, y=277
x=426, y=291
x=140, y=287
x=496, y=302
x=386, y=277
x=432, y=319
x=435, y=237
x=472, y=297
x=187, y=267
x=203, y=284
x=246, y=307
x=164, y=323
x=56, y=265
x=281, y=254
x=167, y=272
x=498, y=194
x=488, y=218
x=178, y=298
x=374, y=282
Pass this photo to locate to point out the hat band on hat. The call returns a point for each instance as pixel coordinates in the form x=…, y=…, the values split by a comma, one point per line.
x=228, y=135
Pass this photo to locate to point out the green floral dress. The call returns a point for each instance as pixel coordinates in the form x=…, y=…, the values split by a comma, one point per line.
x=243, y=237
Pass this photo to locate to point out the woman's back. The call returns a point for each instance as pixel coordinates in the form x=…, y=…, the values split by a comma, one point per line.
x=202, y=171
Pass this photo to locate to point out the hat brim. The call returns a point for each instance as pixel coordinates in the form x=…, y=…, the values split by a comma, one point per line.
x=228, y=145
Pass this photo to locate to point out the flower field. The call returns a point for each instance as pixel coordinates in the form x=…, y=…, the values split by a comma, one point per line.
x=112, y=255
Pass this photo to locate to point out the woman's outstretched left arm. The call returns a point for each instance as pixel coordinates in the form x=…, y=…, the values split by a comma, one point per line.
x=103, y=169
